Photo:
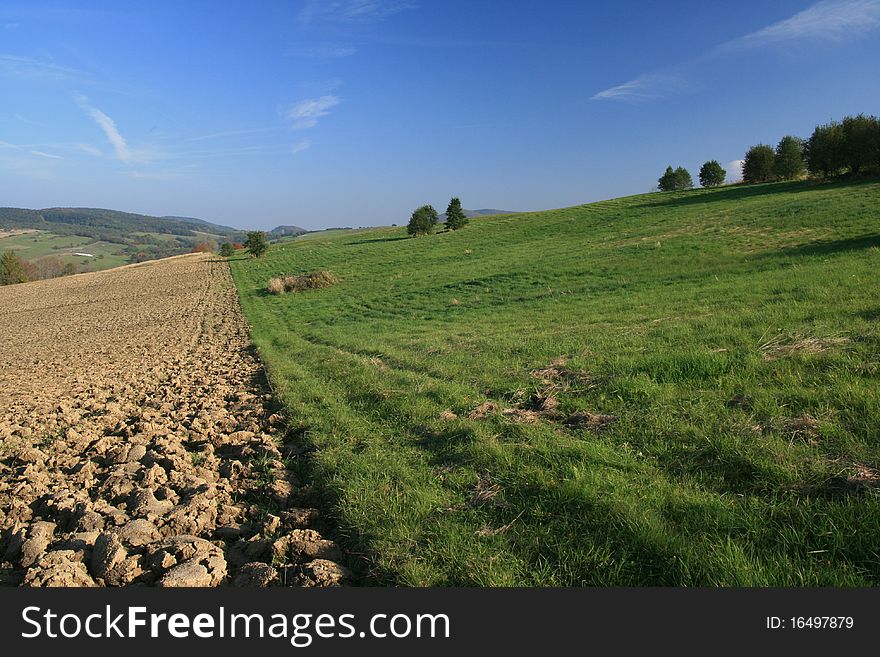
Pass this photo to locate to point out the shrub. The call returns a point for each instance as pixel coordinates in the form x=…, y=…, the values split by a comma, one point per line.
x=12, y=269
x=308, y=281
x=422, y=221
x=227, y=249
x=275, y=286
x=205, y=247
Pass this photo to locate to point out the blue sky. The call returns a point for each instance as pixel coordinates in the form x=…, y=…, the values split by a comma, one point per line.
x=354, y=112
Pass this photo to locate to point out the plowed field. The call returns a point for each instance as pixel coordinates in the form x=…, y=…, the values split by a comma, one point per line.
x=136, y=440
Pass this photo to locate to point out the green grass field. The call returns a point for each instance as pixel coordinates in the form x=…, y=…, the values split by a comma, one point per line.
x=684, y=388
x=35, y=244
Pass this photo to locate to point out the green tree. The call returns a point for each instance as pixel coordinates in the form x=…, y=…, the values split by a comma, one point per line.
x=712, y=174
x=422, y=221
x=759, y=164
x=256, y=243
x=683, y=178
x=675, y=179
x=455, y=218
x=11, y=269
x=825, y=150
x=861, y=144
x=666, y=183
x=789, y=161
x=226, y=249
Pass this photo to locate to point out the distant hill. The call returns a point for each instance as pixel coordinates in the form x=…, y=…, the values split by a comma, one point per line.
x=202, y=222
x=285, y=231
x=470, y=214
x=140, y=237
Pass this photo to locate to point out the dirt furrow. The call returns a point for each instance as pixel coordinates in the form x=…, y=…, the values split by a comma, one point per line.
x=137, y=445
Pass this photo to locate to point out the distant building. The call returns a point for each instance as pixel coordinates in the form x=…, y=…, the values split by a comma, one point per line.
x=85, y=255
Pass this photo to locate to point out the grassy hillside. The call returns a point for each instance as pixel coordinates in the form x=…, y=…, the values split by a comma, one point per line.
x=120, y=237
x=35, y=244
x=666, y=389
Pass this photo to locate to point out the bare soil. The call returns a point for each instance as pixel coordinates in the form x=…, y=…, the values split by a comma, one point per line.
x=137, y=442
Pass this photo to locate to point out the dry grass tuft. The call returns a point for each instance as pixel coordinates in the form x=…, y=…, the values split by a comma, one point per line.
x=783, y=344
x=309, y=281
x=587, y=420
x=484, y=492
x=556, y=374
x=483, y=411
x=804, y=427
x=275, y=286
x=521, y=415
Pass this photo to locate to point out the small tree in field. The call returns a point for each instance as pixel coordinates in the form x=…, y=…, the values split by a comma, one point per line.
x=256, y=243
x=455, y=218
x=422, y=221
x=666, y=183
x=226, y=249
x=789, y=162
x=861, y=141
x=712, y=174
x=759, y=165
x=683, y=178
x=825, y=150
x=675, y=179
x=12, y=269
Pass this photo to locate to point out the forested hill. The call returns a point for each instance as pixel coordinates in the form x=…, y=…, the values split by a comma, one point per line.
x=74, y=220
x=142, y=236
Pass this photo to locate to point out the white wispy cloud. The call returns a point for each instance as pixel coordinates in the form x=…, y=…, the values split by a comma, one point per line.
x=352, y=11
x=108, y=126
x=49, y=155
x=650, y=86
x=154, y=175
x=830, y=20
x=235, y=133
x=29, y=149
x=322, y=51
x=28, y=67
x=300, y=146
x=734, y=170
x=88, y=148
x=305, y=114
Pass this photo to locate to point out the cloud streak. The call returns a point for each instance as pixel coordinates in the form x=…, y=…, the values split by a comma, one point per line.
x=300, y=146
x=29, y=150
x=120, y=146
x=235, y=133
x=828, y=21
x=645, y=87
x=49, y=155
x=322, y=51
x=352, y=11
x=15, y=66
x=306, y=113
